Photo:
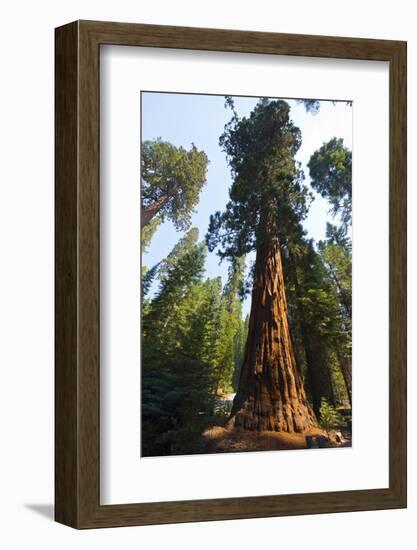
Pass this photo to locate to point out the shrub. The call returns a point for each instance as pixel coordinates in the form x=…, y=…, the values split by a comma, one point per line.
x=329, y=417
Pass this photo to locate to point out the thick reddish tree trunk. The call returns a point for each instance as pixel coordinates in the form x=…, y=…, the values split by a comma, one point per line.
x=152, y=210
x=271, y=393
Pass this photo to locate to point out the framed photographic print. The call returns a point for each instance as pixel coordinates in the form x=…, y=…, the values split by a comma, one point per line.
x=230, y=274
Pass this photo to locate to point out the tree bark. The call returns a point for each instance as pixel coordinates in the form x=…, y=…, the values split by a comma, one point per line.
x=346, y=368
x=271, y=394
x=152, y=210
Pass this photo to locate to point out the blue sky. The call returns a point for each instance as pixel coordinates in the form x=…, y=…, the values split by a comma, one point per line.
x=183, y=119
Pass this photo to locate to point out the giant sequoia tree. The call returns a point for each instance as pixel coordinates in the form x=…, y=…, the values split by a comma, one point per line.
x=267, y=198
x=172, y=179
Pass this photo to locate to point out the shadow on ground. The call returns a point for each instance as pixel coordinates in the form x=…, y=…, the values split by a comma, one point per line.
x=45, y=510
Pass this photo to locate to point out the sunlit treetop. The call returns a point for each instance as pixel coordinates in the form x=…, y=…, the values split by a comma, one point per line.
x=267, y=194
x=331, y=176
x=172, y=179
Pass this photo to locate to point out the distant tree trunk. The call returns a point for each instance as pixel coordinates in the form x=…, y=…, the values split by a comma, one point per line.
x=319, y=376
x=152, y=210
x=271, y=393
x=346, y=368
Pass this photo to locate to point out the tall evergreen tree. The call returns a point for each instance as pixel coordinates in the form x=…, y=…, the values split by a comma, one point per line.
x=177, y=386
x=315, y=318
x=148, y=276
x=183, y=267
x=230, y=324
x=239, y=349
x=172, y=179
x=266, y=198
x=331, y=176
x=336, y=255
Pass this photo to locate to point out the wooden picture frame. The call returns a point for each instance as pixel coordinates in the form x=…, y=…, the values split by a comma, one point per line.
x=77, y=382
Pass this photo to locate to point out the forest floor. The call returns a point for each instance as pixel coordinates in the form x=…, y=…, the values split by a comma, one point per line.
x=224, y=438
x=231, y=439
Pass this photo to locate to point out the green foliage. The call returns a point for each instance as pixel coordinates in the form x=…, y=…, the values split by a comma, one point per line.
x=267, y=194
x=148, y=232
x=193, y=334
x=329, y=417
x=230, y=326
x=183, y=267
x=337, y=256
x=314, y=316
x=148, y=276
x=173, y=177
x=176, y=380
x=188, y=349
x=320, y=322
x=239, y=349
x=311, y=105
x=267, y=198
x=331, y=176
x=341, y=395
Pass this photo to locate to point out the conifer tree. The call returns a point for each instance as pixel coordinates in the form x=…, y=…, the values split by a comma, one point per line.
x=266, y=198
x=177, y=382
x=331, y=176
x=171, y=181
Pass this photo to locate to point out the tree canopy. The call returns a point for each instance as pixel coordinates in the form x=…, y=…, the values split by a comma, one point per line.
x=192, y=339
x=267, y=194
x=331, y=176
x=172, y=179
x=292, y=353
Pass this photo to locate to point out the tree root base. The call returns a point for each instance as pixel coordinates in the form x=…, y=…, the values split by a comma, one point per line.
x=235, y=439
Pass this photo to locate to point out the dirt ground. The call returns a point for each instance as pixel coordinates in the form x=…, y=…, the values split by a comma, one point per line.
x=231, y=439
